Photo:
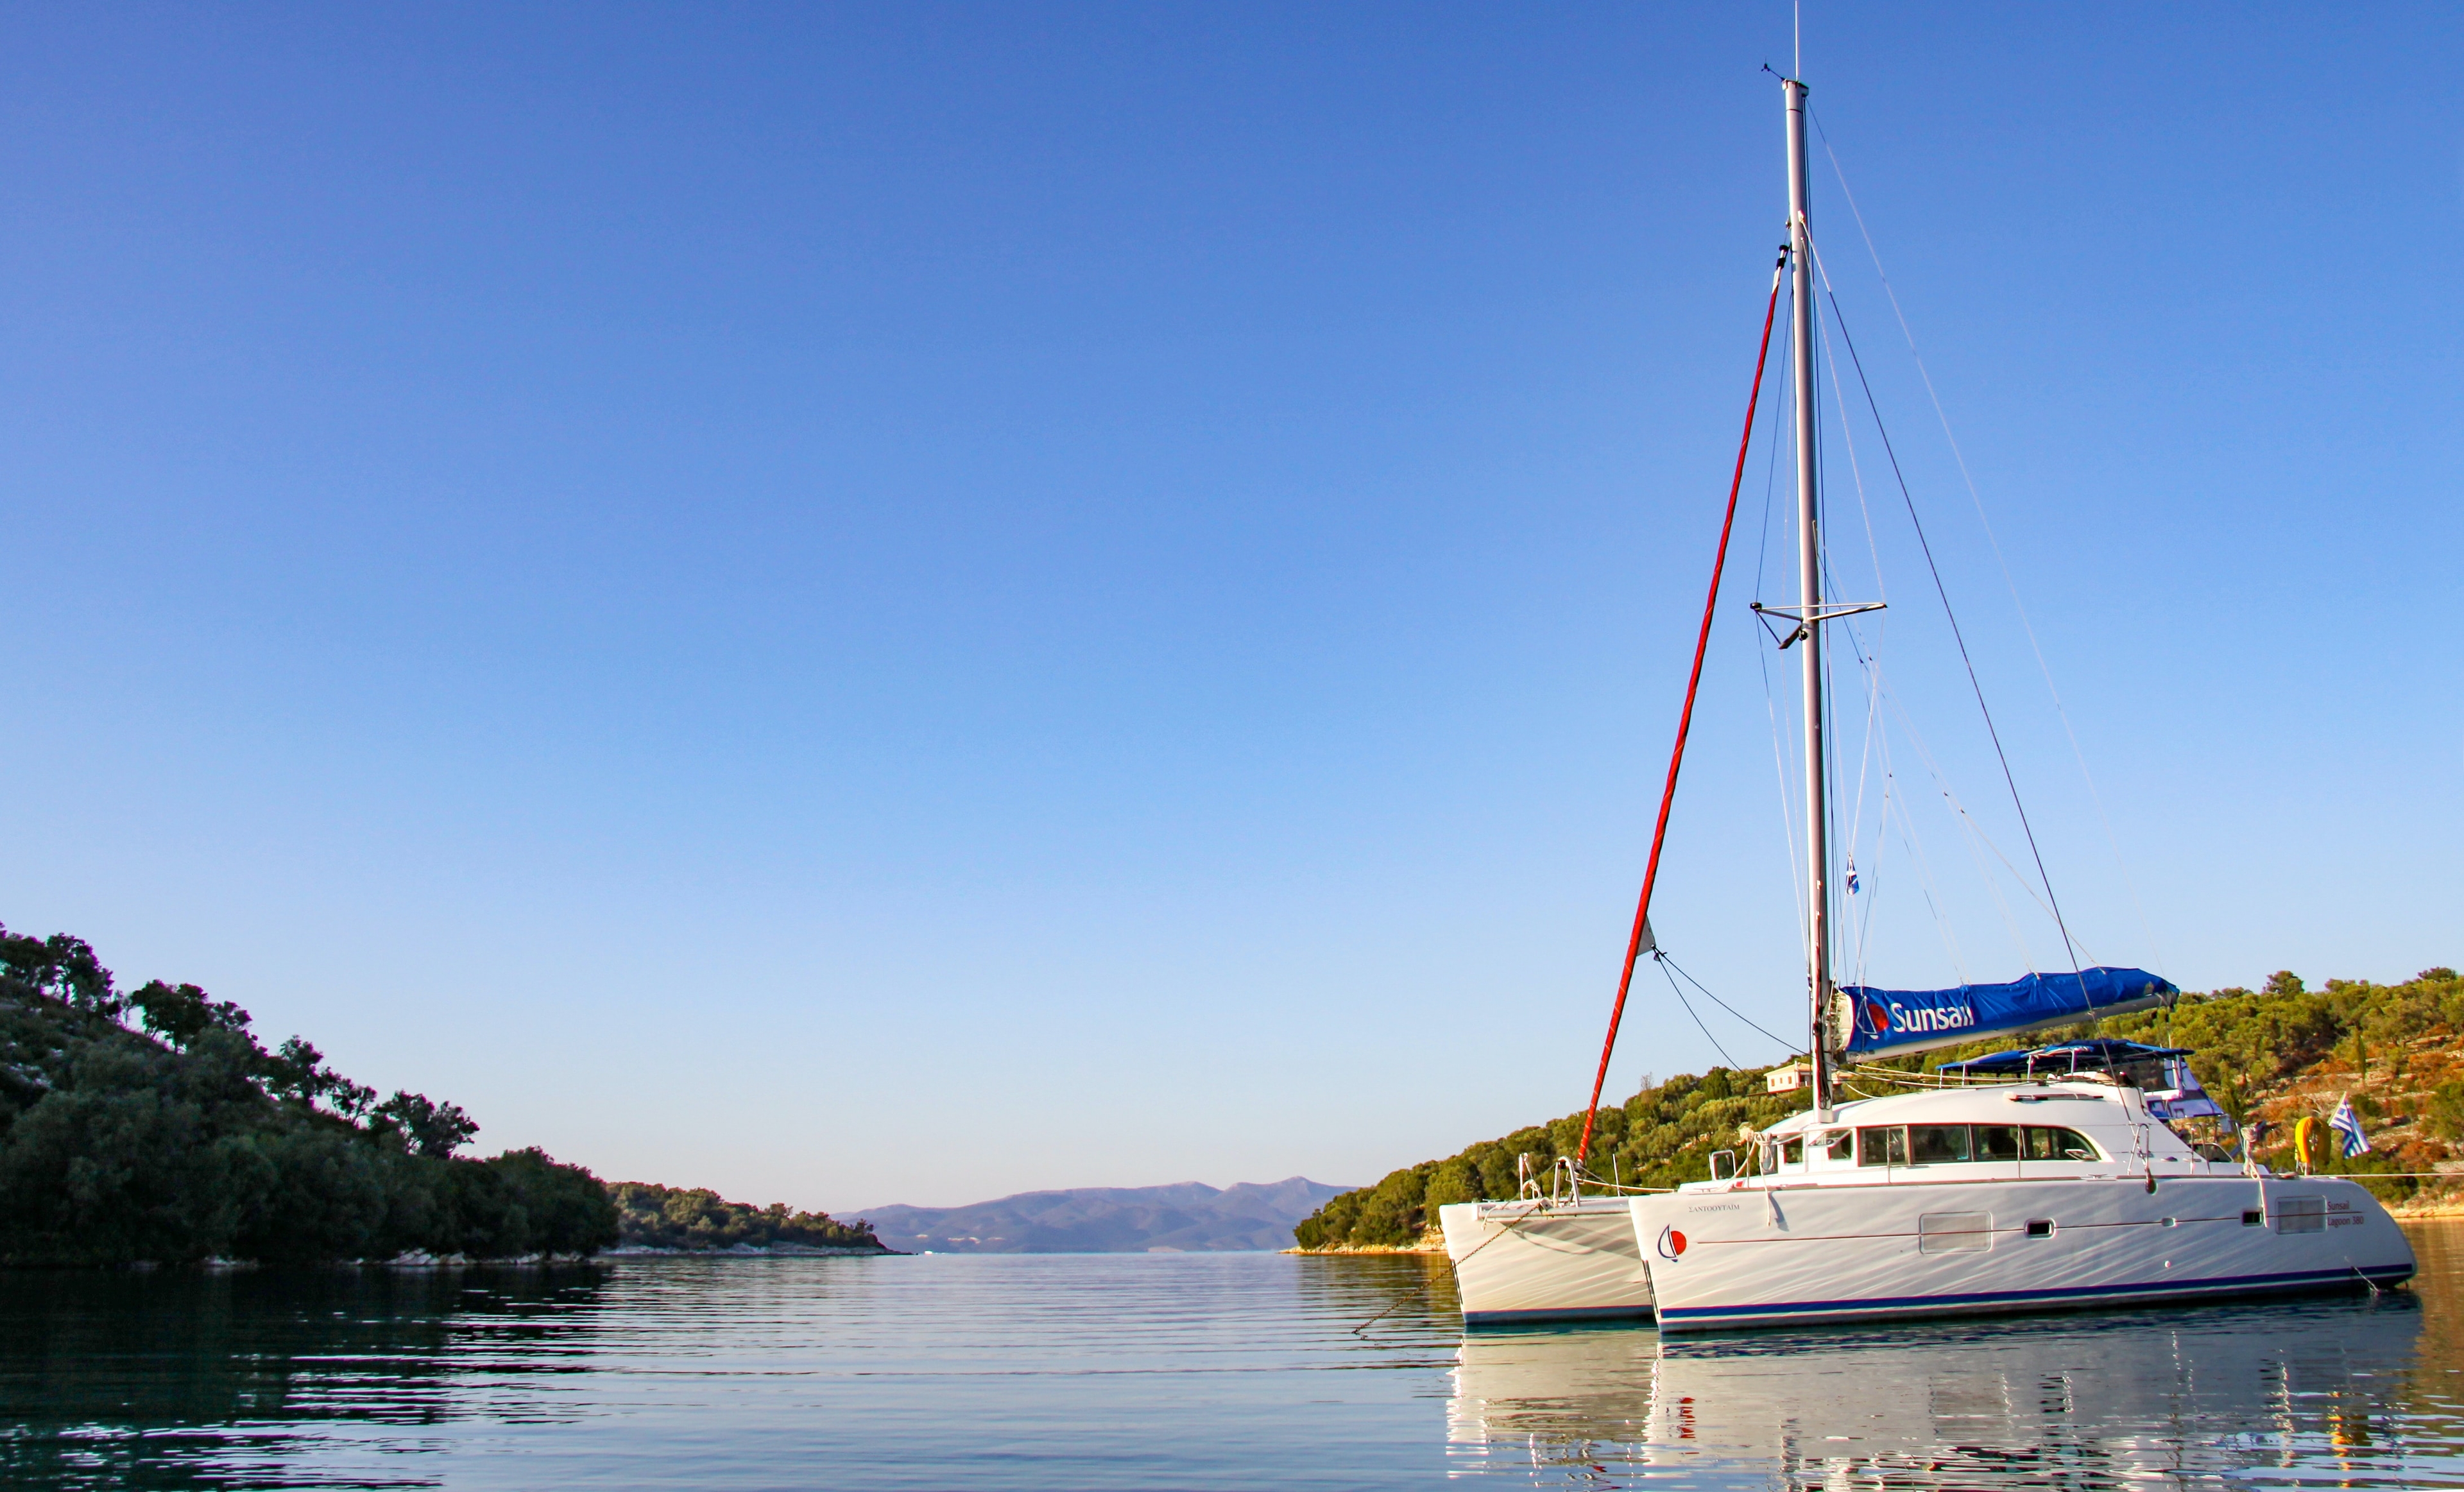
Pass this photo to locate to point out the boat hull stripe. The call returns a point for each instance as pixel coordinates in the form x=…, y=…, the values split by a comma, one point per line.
x=1483, y=1317
x=2385, y=1275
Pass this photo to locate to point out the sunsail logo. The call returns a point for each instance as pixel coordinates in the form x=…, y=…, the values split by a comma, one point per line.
x=1898, y=1020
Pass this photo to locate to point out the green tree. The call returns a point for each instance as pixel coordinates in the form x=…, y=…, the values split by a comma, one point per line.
x=693, y=1217
x=427, y=1127
x=181, y=1013
x=177, y=1137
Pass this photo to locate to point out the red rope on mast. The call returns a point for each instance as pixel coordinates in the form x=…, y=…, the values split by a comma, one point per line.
x=1685, y=722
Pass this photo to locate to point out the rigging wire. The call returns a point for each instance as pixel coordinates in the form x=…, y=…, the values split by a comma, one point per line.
x=1869, y=662
x=1974, y=837
x=1870, y=890
x=1869, y=667
x=1925, y=546
x=1893, y=797
x=1698, y=1022
x=1876, y=744
x=1787, y=397
x=1784, y=1042
x=1785, y=391
x=1925, y=885
x=1974, y=832
x=1976, y=499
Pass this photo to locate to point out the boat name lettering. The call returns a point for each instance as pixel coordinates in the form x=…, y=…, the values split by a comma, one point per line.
x=1932, y=1018
x=1713, y=1207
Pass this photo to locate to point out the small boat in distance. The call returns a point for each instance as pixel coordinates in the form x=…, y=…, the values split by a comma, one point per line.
x=2027, y=1180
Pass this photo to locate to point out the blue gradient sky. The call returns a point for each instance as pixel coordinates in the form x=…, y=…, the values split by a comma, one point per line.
x=900, y=604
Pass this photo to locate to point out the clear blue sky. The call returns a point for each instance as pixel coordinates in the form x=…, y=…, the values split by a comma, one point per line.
x=903, y=603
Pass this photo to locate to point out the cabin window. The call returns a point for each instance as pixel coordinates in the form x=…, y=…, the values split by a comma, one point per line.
x=1951, y=1144
x=1937, y=1144
x=2045, y=1143
x=1791, y=1151
x=1840, y=1144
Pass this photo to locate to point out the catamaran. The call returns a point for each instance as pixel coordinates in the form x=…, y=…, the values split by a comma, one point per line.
x=2060, y=1176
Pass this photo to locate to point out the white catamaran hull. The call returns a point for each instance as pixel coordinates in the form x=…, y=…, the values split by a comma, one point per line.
x=1538, y=1260
x=1752, y=1257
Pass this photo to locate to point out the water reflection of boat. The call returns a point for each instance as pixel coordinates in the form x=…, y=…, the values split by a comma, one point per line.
x=2073, y=1401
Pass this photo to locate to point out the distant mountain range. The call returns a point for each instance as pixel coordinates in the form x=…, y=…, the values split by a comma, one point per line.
x=1187, y=1217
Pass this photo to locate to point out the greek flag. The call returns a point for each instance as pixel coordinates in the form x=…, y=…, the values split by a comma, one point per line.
x=2347, y=1126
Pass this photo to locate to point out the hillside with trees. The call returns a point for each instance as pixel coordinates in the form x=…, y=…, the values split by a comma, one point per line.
x=695, y=1220
x=1179, y=1216
x=2268, y=1055
x=151, y=1125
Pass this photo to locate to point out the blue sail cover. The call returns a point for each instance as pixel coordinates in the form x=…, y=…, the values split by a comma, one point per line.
x=1892, y=1022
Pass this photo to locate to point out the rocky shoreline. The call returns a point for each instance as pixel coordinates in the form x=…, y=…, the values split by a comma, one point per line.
x=752, y=1251
x=1431, y=1240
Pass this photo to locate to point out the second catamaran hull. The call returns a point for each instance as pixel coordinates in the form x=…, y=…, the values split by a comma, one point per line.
x=1795, y=1256
x=1530, y=1260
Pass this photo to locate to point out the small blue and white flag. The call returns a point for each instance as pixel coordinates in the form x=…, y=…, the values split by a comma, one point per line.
x=1852, y=878
x=2347, y=1126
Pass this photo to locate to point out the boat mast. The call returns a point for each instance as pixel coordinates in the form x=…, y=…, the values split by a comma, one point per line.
x=1809, y=560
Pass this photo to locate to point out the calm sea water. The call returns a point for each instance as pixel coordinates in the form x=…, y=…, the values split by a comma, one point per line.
x=1172, y=1371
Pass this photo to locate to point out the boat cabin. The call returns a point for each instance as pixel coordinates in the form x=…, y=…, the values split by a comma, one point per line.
x=2083, y=1110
